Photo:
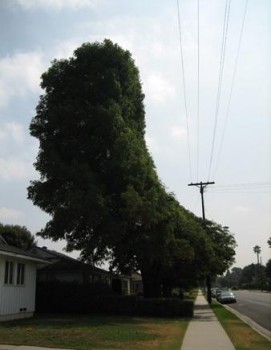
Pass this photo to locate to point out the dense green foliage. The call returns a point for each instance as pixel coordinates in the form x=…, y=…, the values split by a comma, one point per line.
x=223, y=244
x=99, y=183
x=17, y=236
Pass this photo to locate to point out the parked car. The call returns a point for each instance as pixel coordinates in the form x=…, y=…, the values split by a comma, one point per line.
x=226, y=297
x=219, y=291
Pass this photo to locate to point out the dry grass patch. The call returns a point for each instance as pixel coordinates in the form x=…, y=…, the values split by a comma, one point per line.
x=95, y=332
x=242, y=336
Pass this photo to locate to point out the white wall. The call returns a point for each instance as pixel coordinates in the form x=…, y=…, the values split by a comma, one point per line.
x=15, y=297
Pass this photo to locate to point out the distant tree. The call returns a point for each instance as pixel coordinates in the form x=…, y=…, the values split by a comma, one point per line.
x=249, y=274
x=223, y=244
x=269, y=242
x=17, y=236
x=253, y=276
x=268, y=270
x=257, y=251
x=232, y=278
x=225, y=281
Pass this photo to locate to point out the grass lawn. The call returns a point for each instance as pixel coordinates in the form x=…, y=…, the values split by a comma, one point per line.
x=242, y=336
x=95, y=332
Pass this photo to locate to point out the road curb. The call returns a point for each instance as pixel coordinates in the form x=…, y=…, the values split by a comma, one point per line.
x=261, y=330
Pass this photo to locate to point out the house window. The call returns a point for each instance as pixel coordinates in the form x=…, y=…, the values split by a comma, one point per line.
x=20, y=273
x=9, y=272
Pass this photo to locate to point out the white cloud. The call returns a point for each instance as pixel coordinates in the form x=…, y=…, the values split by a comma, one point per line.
x=7, y=214
x=14, y=168
x=17, y=152
x=12, y=132
x=65, y=49
x=20, y=75
x=56, y=4
x=242, y=209
x=177, y=133
x=152, y=144
x=158, y=89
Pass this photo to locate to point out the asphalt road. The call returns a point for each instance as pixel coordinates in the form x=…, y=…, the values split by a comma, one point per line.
x=255, y=305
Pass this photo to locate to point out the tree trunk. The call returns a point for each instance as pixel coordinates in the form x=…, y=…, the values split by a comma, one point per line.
x=208, y=285
x=151, y=281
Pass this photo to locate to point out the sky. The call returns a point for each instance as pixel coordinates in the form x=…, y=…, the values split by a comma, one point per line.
x=206, y=76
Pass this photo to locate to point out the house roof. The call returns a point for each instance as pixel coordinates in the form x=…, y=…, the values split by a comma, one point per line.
x=63, y=260
x=52, y=255
x=8, y=250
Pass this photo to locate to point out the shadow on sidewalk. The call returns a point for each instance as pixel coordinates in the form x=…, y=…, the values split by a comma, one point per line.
x=202, y=307
x=203, y=313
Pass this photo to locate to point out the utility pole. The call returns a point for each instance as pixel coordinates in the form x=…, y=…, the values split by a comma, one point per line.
x=202, y=186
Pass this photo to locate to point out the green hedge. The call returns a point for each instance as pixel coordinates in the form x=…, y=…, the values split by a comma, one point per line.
x=76, y=298
x=68, y=297
x=166, y=307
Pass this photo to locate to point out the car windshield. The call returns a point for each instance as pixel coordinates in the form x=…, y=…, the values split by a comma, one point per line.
x=226, y=294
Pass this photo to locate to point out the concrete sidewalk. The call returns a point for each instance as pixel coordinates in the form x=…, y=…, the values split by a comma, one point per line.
x=204, y=331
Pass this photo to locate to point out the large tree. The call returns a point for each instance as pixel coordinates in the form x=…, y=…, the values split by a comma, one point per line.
x=17, y=236
x=98, y=181
x=90, y=124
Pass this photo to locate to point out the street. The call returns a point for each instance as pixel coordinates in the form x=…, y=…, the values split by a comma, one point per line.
x=255, y=305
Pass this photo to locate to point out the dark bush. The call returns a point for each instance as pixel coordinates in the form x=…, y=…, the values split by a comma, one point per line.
x=134, y=306
x=166, y=307
x=118, y=305
x=69, y=297
x=60, y=297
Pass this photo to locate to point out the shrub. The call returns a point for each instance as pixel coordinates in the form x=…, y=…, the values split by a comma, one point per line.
x=69, y=297
x=60, y=297
x=134, y=306
x=166, y=307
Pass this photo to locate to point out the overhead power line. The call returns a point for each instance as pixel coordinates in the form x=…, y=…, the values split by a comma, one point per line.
x=184, y=90
x=253, y=187
x=220, y=78
x=198, y=125
x=231, y=88
x=215, y=154
x=245, y=184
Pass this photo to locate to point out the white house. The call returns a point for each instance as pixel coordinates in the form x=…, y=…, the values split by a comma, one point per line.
x=17, y=282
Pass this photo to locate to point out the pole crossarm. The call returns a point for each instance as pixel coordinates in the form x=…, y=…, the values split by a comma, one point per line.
x=201, y=185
